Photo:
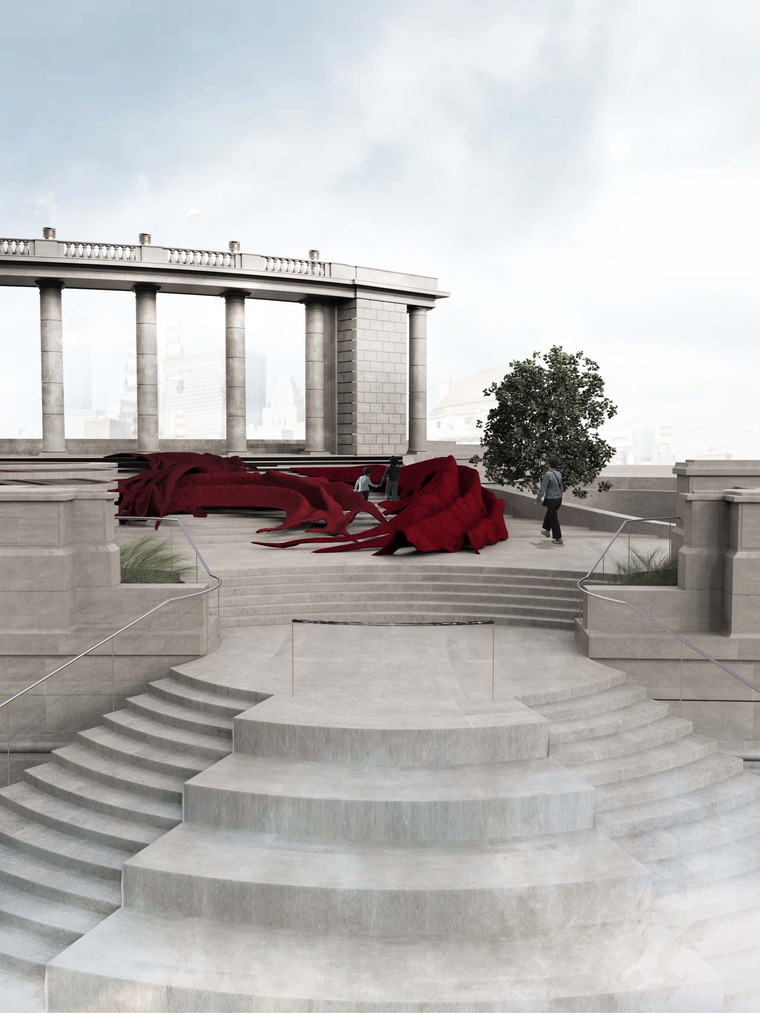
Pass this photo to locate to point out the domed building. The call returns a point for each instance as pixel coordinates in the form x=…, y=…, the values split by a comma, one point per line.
x=455, y=417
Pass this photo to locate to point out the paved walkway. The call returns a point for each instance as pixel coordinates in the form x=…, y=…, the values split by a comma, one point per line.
x=225, y=541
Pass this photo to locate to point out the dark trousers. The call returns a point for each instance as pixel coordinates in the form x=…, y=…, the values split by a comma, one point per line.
x=365, y=494
x=550, y=520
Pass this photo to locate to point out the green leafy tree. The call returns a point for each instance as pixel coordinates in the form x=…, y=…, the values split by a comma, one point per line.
x=551, y=404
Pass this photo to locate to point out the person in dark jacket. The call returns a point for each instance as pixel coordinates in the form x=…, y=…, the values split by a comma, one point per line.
x=391, y=476
x=551, y=491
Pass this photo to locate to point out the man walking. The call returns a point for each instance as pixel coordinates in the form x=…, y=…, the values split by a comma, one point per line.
x=551, y=491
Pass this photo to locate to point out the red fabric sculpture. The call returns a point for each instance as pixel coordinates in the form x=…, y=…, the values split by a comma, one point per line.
x=442, y=505
x=195, y=483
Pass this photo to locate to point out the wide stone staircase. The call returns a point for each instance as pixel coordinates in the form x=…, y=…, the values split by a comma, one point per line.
x=687, y=812
x=399, y=592
x=68, y=827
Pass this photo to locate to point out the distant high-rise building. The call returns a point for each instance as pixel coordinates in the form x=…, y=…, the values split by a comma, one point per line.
x=283, y=416
x=255, y=387
x=192, y=392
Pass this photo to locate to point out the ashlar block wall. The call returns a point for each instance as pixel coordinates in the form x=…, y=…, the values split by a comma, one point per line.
x=372, y=377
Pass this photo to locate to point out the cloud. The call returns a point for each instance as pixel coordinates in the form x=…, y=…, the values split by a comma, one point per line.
x=45, y=204
x=141, y=185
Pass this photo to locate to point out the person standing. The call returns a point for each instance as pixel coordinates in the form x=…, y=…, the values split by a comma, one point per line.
x=391, y=476
x=551, y=491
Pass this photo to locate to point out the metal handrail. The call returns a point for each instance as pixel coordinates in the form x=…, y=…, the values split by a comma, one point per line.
x=641, y=612
x=111, y=637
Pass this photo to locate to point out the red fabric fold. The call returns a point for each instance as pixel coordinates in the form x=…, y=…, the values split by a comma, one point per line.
x=442, y=506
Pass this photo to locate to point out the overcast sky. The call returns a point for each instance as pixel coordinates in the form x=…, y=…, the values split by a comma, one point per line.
x=580, y=173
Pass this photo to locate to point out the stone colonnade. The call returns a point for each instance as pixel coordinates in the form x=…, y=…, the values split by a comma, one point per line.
x=357, y=388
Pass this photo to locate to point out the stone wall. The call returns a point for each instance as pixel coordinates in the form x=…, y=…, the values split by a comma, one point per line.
x=60, y=593
x=716, y=606
x=372, y=377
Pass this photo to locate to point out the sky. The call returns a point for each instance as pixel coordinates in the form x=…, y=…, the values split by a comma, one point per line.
x=576, y=173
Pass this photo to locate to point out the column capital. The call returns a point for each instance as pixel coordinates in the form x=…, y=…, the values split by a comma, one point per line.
x=229, y=293
x=419, y=309
x=55, y=283
x=146, y=286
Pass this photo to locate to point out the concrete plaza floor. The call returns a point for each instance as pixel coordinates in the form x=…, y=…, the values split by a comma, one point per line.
x=225, y=541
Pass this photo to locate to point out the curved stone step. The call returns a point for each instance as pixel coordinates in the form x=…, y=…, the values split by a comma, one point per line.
x=383, y=570
x=598, y=725
x=646, y=761
x=200, y=700
x=739, y=972
x=36, y=841
x=294, y=729
x=60, y=923
x=25, y=951
x=143, y=755
x=155, y=708
x=429, y=605
x=23, y=991
x=402, y=804
x=597, y=703
x=49, y=811
x=665, y=784
x=185, y=677
x=56, y=780
x=504, y=888
x=154, y=733
x=740, y=821
x=733, y=895
x=622, y=743
x=269, y=969
x=600, y=682
x=297, y=597
x=701, y=803
x=115, y=774
x=32, y=875
x=707, y=866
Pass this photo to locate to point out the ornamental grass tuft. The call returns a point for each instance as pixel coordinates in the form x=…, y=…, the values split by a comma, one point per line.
x=148, y=560
x=654, y=568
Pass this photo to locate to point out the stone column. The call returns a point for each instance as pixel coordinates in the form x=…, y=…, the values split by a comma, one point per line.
x=234, y=318
x=315, y=378
x=147, y=368
x=417, y=379
x=51, y=347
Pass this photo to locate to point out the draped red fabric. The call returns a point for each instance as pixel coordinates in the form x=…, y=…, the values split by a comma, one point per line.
x=441, y=507
x=205, y=482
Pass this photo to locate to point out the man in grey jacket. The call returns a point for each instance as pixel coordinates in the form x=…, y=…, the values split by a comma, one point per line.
x=551, y=491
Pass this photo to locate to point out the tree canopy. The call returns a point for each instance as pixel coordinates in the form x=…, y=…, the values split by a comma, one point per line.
x=549, y=405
